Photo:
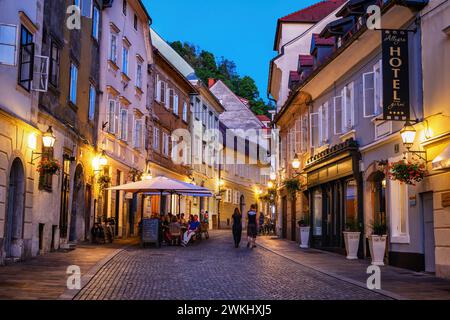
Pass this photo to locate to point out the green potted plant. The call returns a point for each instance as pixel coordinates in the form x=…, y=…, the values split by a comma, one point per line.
x=377, y=242
x=407, y=172
x=292, y=186
x=351, y=238
x=305, y=229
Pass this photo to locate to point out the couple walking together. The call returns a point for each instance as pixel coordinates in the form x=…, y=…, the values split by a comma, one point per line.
x=251, y=227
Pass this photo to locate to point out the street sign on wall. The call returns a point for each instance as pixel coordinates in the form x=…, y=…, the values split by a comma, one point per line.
x=395, y=75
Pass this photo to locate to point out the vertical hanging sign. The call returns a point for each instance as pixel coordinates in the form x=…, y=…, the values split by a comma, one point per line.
x=395, y=75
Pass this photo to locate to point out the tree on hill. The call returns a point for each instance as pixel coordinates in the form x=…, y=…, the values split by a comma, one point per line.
x=207, y=66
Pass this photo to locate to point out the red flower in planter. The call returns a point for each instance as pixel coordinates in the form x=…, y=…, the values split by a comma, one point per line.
x=49, y=166
x=407, y=172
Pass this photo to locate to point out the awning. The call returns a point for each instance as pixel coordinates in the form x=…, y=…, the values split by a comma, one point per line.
x=186, y=194
x=442, y=161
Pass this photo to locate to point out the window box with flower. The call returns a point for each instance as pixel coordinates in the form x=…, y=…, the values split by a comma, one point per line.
x=407, y=172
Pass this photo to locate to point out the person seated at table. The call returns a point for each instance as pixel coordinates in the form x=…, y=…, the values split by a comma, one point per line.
x=192, y=229
x=182, y=219
x=165, y=228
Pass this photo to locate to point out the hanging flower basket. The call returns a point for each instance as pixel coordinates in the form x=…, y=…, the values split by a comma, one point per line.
x=49, y=167
x=407, y=172
x=292, y=186
x=104, y=181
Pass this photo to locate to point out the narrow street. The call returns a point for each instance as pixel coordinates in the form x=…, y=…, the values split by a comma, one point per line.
x=213, y=270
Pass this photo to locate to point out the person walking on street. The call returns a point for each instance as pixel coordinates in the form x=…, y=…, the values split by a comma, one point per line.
x=251, y=227
x=237, y=227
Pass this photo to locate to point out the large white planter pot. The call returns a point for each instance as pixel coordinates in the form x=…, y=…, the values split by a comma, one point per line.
x=352, y=244
x=377, y=245
x=304, y=237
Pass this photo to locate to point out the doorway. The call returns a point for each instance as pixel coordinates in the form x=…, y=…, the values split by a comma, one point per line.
x=242, y=204
x=293, y=219
x=87, y=211
x=77, y=215
x=15, y=210
x=428, y=231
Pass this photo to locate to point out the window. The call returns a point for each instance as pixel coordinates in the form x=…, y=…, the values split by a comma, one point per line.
x=175, y=104
x=139, y=75
x=95, y=22
x=125, y=52
x=351, y=202
x=314, y=129
x=170, y=98
x=124, y=7
x=205, y=115
x=304, y=133
x=113, y=48
x=338, y=115
x=135, y=22
x=92, y=97
x=123, y=121
x=111, y=116
x=26, y=58
x=197, y=108
x=323, y=118
x=165, y=144
x=54, y=64
x=399, y=212
x=8, y=44
x=378, y=88
x=369, y=94
x=137, y=136
x=73, y=83
x=156, y=138
x=162, y=92
x=185, y=112
x=348, y=114
x=317, y=213
x=86, y=7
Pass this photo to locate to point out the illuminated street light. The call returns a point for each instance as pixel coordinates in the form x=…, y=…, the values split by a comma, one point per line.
x=296, y=162
x=48, y=138
x=408, y=134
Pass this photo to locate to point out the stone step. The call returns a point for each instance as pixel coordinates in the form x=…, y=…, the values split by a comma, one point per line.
x=68, y=246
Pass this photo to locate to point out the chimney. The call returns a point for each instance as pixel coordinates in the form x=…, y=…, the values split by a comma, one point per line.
x=211, y=82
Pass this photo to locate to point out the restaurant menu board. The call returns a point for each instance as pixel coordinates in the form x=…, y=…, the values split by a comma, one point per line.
x=150, y=231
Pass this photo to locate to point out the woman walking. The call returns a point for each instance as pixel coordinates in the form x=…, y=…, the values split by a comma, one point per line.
x=251, y=227
x=237, y=227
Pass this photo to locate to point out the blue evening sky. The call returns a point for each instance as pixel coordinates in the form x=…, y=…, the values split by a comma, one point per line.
x=240, y=30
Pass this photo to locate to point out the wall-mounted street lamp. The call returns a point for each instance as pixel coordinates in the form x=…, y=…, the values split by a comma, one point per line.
x=48, y=141
x=270, y=185
x=100, y=161
x=408, y=134
x=147, y=175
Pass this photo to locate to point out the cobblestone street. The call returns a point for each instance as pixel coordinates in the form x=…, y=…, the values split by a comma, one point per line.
x=213, y=270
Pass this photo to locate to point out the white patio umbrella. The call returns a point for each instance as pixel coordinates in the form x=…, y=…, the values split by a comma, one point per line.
x=163, y=185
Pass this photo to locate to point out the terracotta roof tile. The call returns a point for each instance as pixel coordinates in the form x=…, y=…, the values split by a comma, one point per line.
x=314, y=13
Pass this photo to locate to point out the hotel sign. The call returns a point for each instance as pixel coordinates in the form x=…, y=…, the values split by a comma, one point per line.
x=395, y=75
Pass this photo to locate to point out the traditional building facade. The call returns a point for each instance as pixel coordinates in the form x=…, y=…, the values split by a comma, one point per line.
x=21, y=39
x=126, y=54
x=245, y=167
x=169, y=126
x=332, y=124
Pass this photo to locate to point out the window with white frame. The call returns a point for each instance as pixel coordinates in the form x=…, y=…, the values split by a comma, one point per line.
x=369, y=94
x=314, y=129
x=338, y=118
x=175, y=104
x=304, y=133
x=123, y=123
x=92, y=98
x=125, y=56
x=8, y=47
x=377, y=69
x=138, y=133
x=139, y=75
x=228, y=196
x=348, y=95
x=185, y=111
x=165, y=144
x=55, y=59
x=95, y=22
x=111, y=116
x=162, y=92
x=323, y=123
x=113, y=47
x=156, y=138
x=298, y=135
x=205, y=115
x=73, y=83
x=398, y=207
